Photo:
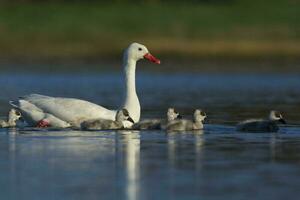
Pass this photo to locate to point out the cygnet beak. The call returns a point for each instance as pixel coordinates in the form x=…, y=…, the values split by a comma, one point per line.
x=130, y=119
x=179, y=116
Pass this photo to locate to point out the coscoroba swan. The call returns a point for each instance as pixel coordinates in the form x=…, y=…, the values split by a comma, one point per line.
x=262, y=125
x=75, y=111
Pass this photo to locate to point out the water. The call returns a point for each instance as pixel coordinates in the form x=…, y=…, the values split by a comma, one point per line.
x=216, y=163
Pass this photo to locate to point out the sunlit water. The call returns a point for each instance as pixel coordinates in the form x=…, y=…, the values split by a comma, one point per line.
x=216, y=163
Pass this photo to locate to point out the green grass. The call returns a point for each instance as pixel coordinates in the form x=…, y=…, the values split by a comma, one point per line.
x=84, y=31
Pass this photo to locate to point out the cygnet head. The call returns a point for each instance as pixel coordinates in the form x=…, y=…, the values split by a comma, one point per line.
x=14, y=115
x=276, y=116
x=137, y=51
x=172, y=114
x=199, y=115
x=123, y=115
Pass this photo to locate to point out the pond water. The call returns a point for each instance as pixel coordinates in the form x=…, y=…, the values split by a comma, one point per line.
x=215, y=163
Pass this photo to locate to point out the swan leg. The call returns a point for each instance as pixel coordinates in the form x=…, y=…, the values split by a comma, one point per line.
x=43, y=124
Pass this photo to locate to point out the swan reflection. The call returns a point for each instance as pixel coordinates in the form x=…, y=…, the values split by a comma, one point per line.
x=128, y=148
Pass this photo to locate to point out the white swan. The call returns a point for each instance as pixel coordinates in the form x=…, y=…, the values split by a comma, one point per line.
x=188, y=125
x=12, y=118
x=262, y=125
x=106, y=124
x=75, y=111
x=151, y=124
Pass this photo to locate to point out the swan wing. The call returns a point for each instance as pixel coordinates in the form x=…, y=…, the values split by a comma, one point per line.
x=30, y=112
x=70, y=110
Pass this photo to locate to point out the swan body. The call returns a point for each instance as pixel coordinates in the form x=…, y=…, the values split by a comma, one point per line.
x=150, y=124
x=188, y=125
x=64, y=112
x=106, y=124
x=12, y=118
x=262, y=125
x=34, y=114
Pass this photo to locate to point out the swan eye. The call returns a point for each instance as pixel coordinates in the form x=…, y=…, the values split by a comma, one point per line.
x=140, y=49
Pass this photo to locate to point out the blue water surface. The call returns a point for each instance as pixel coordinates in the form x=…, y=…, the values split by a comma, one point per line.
x=216, y=163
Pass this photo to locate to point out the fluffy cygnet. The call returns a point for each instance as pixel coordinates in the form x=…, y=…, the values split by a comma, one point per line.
x=187, y=125
x=150, y=124
x=262, y=125
x=103, y=124
x=12, y=118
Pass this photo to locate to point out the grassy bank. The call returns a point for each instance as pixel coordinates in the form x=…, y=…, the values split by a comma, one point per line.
x=82, y=31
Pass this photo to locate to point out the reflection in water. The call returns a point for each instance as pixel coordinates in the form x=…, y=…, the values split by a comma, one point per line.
x=171, y=141
x=130, y=140
x=273, y=147
x=174, y=140
x=107, y=165
x=199, y=144
x=12, y=133
x=185, y=149
x=171, y=148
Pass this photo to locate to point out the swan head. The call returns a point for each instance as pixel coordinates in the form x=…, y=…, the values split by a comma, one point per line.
x=276, y=116
x=123, y=115
x=14, y=115
x=137, y=51
x=199, y=115
x=172, y=114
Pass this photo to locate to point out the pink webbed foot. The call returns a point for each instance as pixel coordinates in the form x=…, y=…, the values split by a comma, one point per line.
x=43, y=124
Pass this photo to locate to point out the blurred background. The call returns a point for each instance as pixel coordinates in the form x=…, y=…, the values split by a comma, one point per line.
x=195, y=35
x=233, y=58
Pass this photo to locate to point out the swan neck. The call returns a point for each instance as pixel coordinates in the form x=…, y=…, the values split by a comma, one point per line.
x=130, y=77
x=131, y=102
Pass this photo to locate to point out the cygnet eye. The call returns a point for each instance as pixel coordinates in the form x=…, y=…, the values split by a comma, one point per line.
x=277, y=114
x=125, y=112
